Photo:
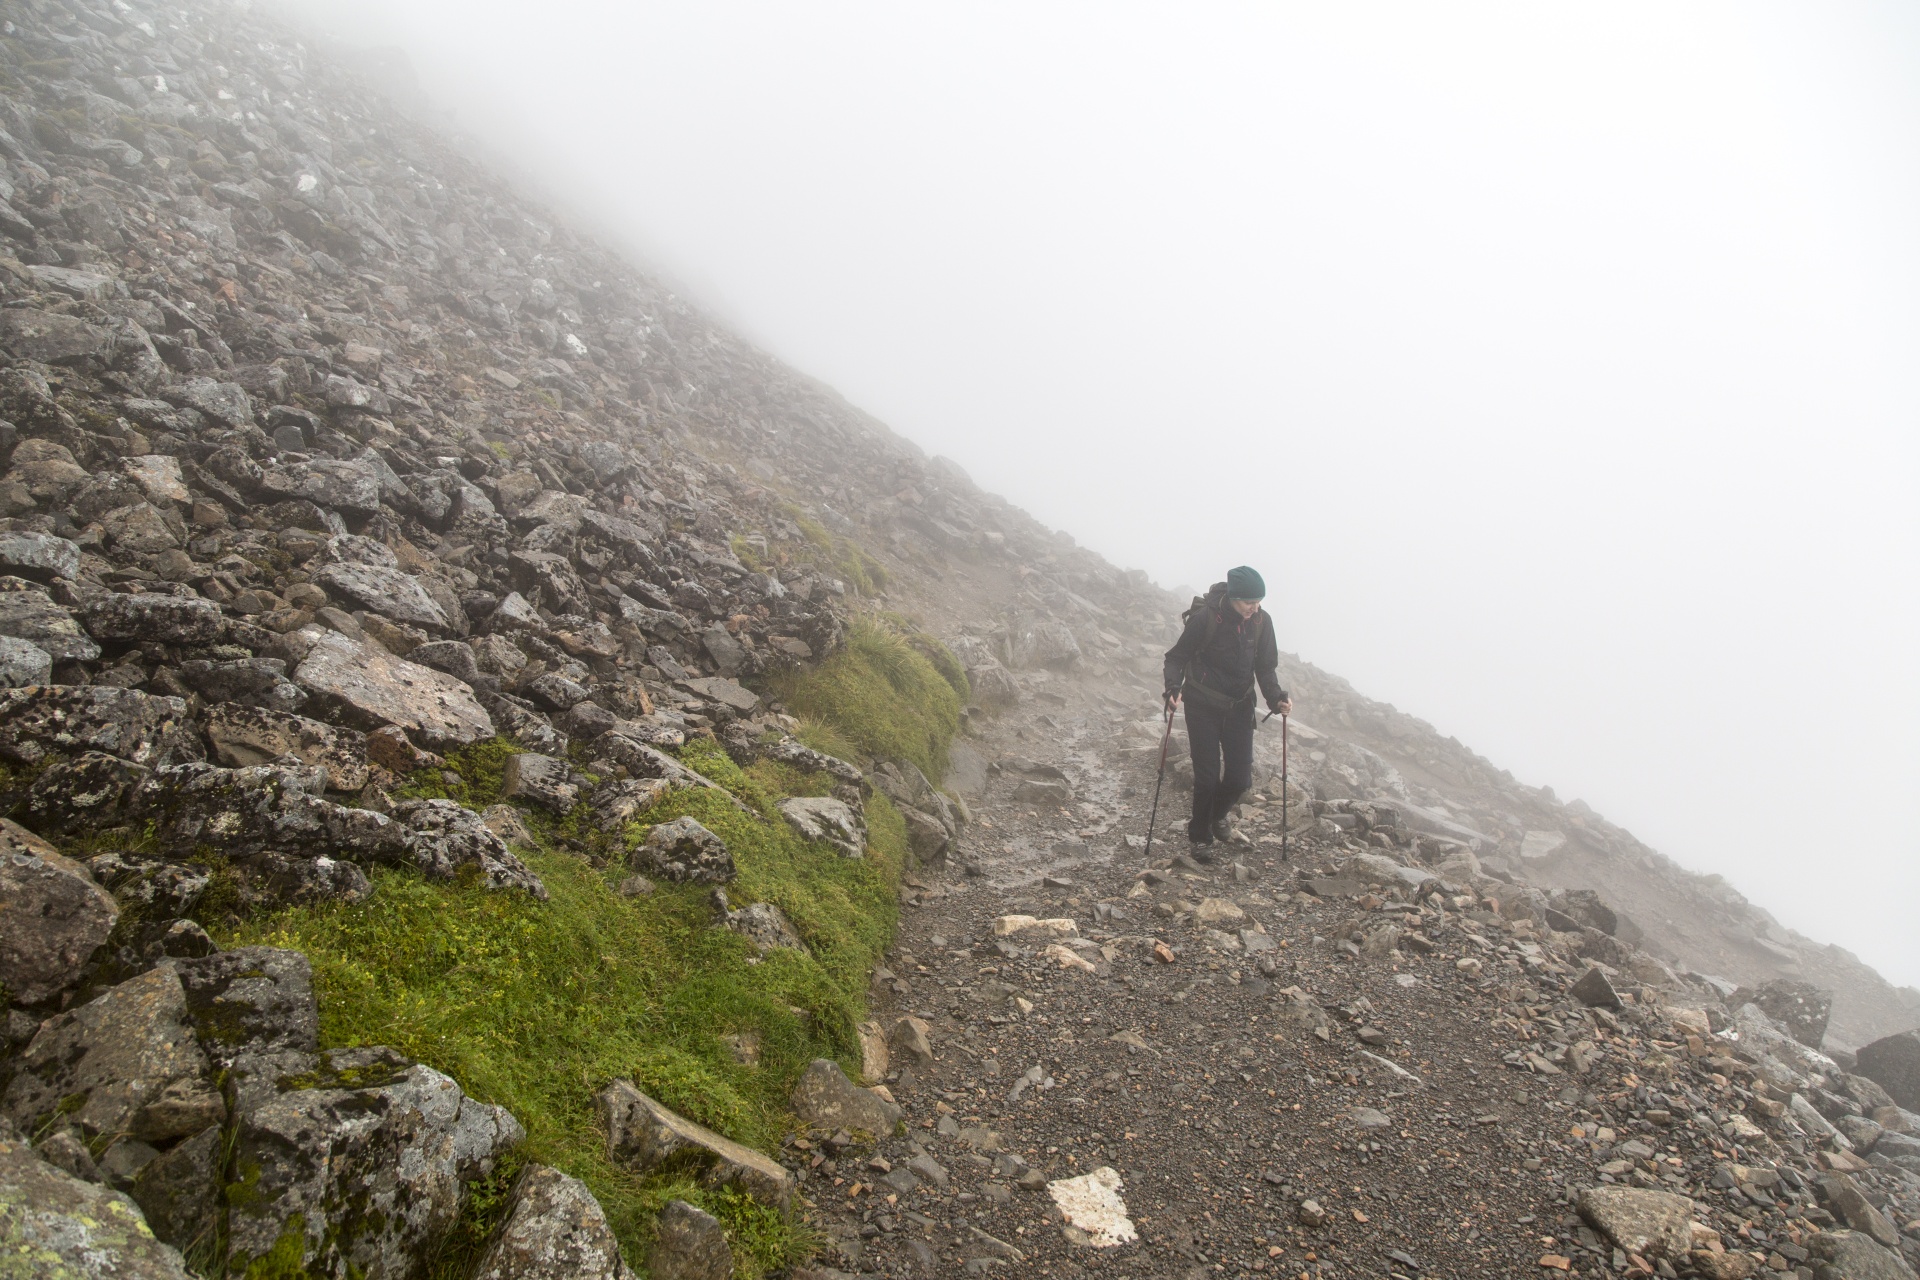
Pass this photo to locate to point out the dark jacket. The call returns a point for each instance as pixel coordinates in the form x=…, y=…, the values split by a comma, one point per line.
x=1240, y=652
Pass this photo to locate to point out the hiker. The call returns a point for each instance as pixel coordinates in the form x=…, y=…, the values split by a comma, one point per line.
x=1226, y=653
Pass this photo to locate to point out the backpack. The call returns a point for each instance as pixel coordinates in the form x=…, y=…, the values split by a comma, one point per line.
x=1192, y=687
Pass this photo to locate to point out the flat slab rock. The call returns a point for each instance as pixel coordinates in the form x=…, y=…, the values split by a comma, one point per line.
x=690, y=1245
x=827, y=819
x=642, y=1134
x=242, y=736
x=374, y=688
x=134, y=726
x=1653, y=1224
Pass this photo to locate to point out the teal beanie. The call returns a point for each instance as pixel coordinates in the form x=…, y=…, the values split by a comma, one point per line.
x=1245, y=584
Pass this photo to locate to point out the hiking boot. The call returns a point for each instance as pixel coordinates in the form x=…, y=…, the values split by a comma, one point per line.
x=1201, y=851
x=1222, y=831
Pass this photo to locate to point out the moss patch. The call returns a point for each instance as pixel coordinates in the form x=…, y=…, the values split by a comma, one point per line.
x=537, y=1005
x=883, y=695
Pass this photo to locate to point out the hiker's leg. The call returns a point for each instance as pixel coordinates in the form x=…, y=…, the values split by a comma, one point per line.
x=1203, y=737
x=1236, y=750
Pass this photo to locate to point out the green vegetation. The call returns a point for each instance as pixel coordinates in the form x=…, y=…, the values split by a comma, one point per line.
x=845, y=557
x=537, y=1005
x=887, y=693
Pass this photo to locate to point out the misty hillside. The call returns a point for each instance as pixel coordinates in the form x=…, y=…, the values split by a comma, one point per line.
x=505, y=779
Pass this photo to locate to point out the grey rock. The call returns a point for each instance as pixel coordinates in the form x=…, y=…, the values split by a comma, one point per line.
x=642, y=1135
x=1594, y=991
x=251, y=682
x=555, y=692
x=179, y=1192
x=1800, y=1007
x=23, y=663
x=826, y=819
x=1849, y=1203
x=1849, y=1255
x=1043, y=791
x=242, y=736
x=387, y=592
x=126, y=1064
x=363, y=1158
x=1893, y=1063
x=251, y=1000
x=927, y=836
x=444, y=839
x=373, y=688
x=728, y=655
x=39, y=556
x=451, y=656
x=34, y=617
x=689, y=1244
x=224, y=402
x=66, y=1150
x=541, y=780
x=56, y=916
x=736, y=698
x=1652, y=1224
x=683, y=850
x=153, y=618
x=825, y=1099
x=57, y=1226
x=993, y=686
x=760, y=923
x=134, y=726
x=554, y=1230
x=52, y=338
x=619, y=801
x=331, y=484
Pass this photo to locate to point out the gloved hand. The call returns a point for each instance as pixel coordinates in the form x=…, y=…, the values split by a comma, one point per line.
x=1280, y=706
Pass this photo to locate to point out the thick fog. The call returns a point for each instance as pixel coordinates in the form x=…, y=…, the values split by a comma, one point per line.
x=1556, y=364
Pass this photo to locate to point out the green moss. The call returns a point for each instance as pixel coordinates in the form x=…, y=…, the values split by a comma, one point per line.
x=473, y=775
x=488, y=1199
x=882, y=695
x=286, y=1260
x=537, y=1005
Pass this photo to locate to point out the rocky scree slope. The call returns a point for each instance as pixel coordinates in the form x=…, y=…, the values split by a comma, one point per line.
x=333, y=468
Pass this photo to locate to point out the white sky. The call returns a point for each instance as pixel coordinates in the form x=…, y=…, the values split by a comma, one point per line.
x=1556, y=364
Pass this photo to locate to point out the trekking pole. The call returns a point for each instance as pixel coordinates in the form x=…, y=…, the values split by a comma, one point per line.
x=1285, y=855
x=1159, y=777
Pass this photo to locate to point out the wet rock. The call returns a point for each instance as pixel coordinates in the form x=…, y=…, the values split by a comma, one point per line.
x=55, y=916
x=826, y=819
x=32, y=616
x=1849, y=1255
x=363, y=1158
x=825, y=1099
x=63, y=1226
x=683, y=850
x=242, y=736
x=541, y=780
x=642, y=1135
x=150, y=618
x=1653, y=1224
x=1048, y=791
x=370, y=688
x=554, y=1230
x=689, y=1245
x=125, y=1065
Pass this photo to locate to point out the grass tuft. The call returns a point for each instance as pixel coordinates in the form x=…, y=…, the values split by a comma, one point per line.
x=883, y=696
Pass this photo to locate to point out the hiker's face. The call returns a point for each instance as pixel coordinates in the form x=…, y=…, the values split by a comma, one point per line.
x=1246, y=608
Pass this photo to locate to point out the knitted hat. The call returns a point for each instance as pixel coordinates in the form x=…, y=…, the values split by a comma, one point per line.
x=1245, y=584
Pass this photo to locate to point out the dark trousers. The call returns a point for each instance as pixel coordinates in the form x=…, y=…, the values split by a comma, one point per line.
x=1222, y=743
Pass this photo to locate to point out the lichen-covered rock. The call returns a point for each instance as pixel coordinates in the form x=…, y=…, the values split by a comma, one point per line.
x=827, y=819
x=684, y=850
x=363, y=1158
x=1653, y=1224
x=541, y=780
x=370, y=688
x=825, y=1099
x=124, y=1066
x=251, y=1000
x=53, y=1226
x=760, y=923
x=642, y=1135
x=555, y=1230
x=30, y=614
x=150, y=617
x=251, y=682
x=134, y=726
x=619, y=801
x=52, y=916
x=1851, y=1255
x=387, y=592
x=689, y=1244
x=179, y=1192
x=23, y=662
x=243, y=736
x=39, y=556
x=444, y=839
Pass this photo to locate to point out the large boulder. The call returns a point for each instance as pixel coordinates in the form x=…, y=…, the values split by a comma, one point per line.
x=1800, y=1007
x=39, y=556
x=642, y=1135
x=52, y=917
x=360, y=1156
x=446, y=840
x=1849, y=1255
x=134, y=726
x=55, y=1225
x=127, y=1067
x=152, y=618
x=684, y=850
x=251, y=1000
x=30, y=614
x=689, y=1244
x=369, y=687
x=825, y=1099
x=252, y=682
x=555, y=1230
x=1893, y=1063
x=242, y=736
x=387, y=592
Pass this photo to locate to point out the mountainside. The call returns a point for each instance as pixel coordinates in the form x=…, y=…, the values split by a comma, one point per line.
x=469, y=725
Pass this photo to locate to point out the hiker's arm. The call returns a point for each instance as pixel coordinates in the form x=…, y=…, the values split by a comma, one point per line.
x=1173, y=671
x=1266, y=663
